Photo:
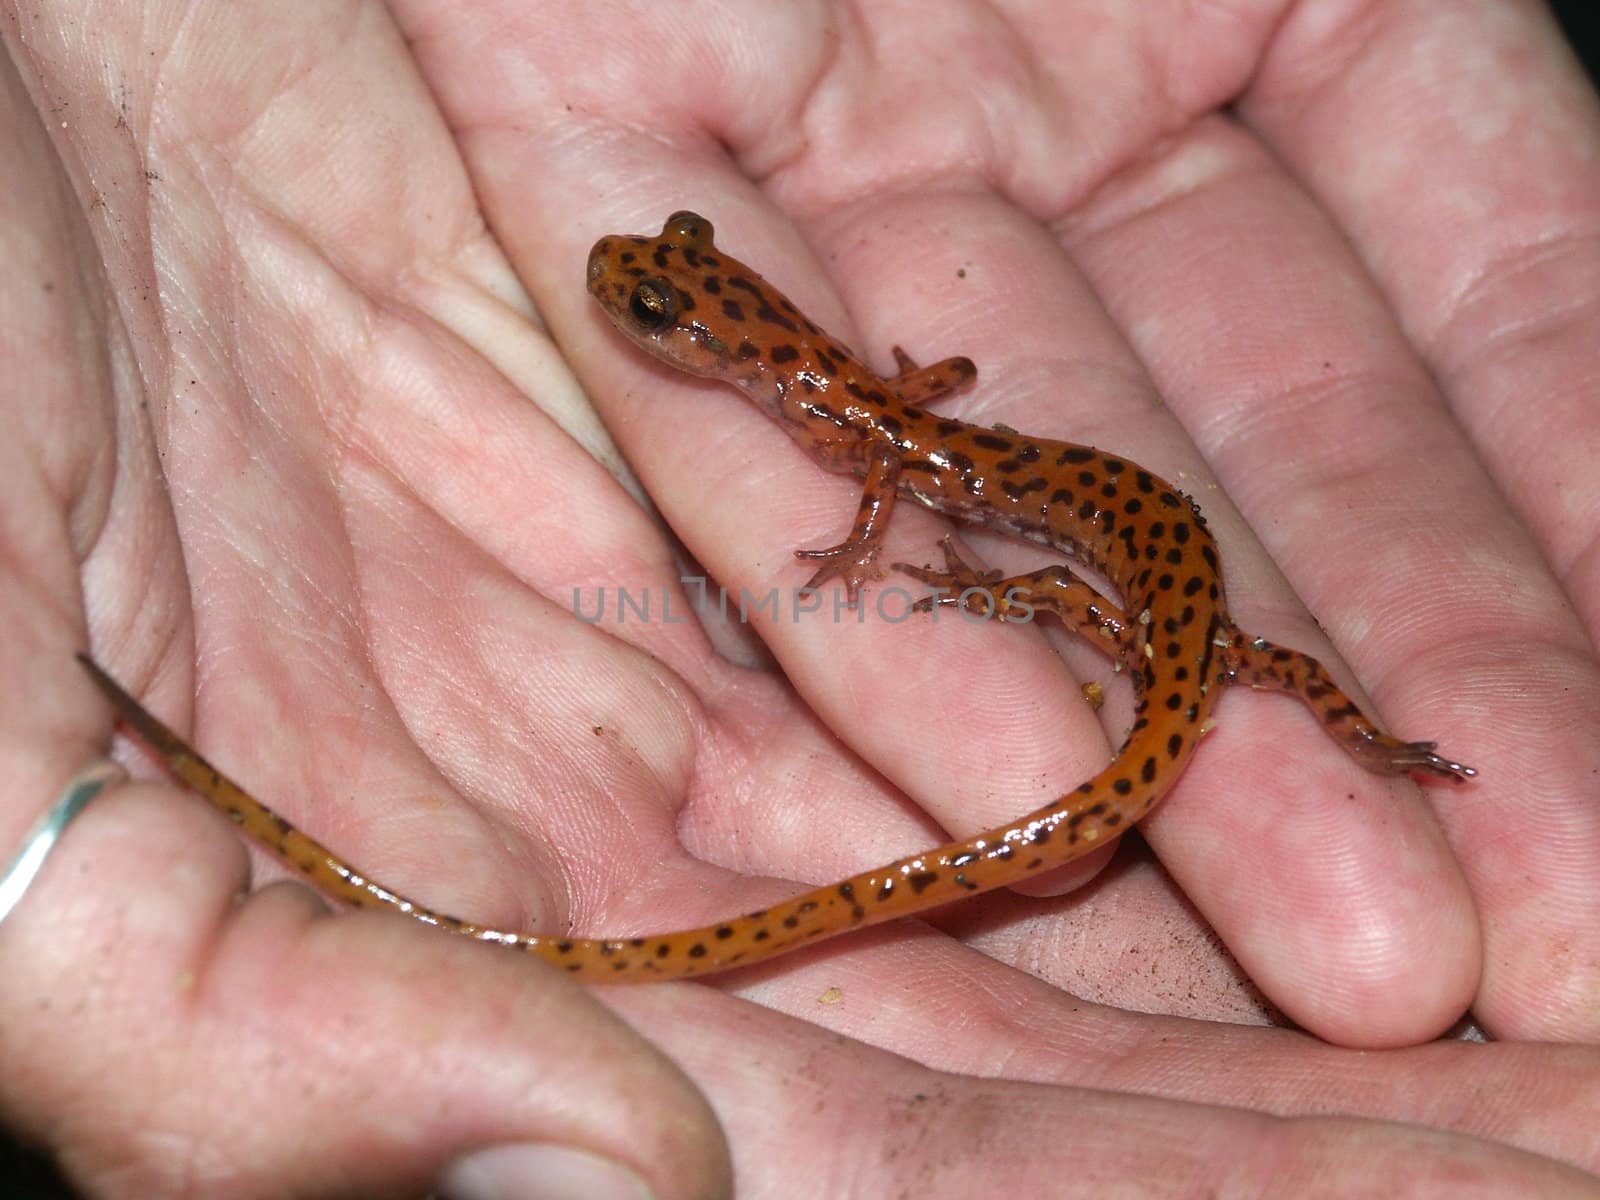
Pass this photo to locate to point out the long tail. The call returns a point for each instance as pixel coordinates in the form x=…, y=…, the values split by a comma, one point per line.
x=1068, y=827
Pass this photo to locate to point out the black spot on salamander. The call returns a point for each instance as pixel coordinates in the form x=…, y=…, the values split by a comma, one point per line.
x=691, y=256
x=886, y=890
x=1075, y=454
x=1145, y=483
x=922, y=880
x=1174, y=745
x=697, y=950
x=783, y=352
x=921, y=465
x=1158, y=530
x=947, y=429
x=826, y=361
x=1087, y=478
x=1061, y=497
x=772, y=316
x=1168, y=500
x=1174, y=556
x=1210, y=555
x=1133, y=507
x=1114, y=466
x=724, y=932
x=1180, y=532
x=712, y=284
x=1109, y=491
x=626, y=257
x=1175, y=701
x=733, y=310
x=791, y=922
x=661, y=256
x=1029, y=453
x=991, y=441
x=1147, y=772
x=892, y=427
x=747, y=349
x=960, y=462
x=1008, y=465
x=710, y=260
x=760, y=935
x=1193, y=584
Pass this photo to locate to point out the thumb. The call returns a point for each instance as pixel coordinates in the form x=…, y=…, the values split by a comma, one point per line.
x=161, y=1037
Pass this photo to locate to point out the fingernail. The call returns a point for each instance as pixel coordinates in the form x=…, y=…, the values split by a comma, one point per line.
x=539, y=1172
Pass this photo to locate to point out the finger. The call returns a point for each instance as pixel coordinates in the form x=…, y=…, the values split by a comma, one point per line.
x=1535, y=1097
x=1478, y=218
x=268, y=1026
x=1343, y=877
x=879, y=1114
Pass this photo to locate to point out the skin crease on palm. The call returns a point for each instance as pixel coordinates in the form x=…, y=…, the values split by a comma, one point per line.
x=292, y=454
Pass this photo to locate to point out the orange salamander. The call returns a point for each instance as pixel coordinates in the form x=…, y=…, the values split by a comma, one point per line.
x=682, y=300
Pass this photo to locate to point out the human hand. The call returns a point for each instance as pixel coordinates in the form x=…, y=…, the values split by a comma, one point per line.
x=453, y=505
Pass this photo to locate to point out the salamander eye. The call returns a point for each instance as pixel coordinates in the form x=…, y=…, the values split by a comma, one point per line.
x=689, y=229
x=653, y=304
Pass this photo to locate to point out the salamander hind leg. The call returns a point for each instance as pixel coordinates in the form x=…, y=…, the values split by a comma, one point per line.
x=1052, y=589
x=1260, y=664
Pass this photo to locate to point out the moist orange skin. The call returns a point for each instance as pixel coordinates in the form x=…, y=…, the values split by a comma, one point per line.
x=679, y=298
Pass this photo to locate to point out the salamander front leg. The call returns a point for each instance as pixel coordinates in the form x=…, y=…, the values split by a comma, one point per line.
x=1052, y=589
x=854, y=560
x=921, y=386
x=1260, y=664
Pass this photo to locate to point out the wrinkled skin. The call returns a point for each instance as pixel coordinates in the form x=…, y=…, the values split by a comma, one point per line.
x=291, y=452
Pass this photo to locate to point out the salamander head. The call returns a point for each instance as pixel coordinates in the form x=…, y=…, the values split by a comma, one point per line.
x=665, y=293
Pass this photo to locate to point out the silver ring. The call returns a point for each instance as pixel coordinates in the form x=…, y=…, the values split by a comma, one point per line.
x=41, y=839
